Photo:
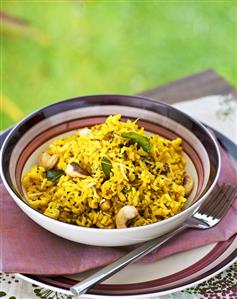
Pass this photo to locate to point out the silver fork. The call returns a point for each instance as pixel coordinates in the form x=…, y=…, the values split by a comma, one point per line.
x=206, y=216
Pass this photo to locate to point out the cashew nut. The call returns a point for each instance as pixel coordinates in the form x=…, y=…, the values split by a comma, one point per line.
x=84, y=132
x=188, y=183
x=48, y=161
x=75, y=171
x=125, y=213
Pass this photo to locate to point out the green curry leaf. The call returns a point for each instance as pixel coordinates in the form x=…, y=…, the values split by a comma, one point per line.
x=106, y=167
x=141, y=141
x=54, y=175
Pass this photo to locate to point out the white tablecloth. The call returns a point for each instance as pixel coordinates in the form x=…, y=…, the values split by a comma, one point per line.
x=218, y=112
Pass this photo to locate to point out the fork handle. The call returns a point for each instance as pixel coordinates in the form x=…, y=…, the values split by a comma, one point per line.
x=106, y=272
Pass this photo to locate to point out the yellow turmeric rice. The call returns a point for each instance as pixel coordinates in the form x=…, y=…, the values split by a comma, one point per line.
x=87, y=177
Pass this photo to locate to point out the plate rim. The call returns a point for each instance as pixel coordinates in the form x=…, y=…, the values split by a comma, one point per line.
x=171, y=290
x=160, y=293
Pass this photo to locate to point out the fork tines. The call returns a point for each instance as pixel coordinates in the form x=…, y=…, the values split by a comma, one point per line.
x=219, y=201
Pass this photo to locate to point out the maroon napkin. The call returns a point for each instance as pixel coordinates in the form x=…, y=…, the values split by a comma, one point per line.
x=28, y=248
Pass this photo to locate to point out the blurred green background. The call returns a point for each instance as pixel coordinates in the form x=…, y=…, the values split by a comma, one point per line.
x=61, y=49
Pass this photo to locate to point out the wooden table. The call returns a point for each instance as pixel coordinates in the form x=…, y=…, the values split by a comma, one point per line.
x=195, y=86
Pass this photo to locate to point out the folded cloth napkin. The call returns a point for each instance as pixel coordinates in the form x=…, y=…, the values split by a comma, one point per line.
x=28, y=248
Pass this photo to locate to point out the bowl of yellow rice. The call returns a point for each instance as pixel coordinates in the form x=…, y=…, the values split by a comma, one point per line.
x=109, y=170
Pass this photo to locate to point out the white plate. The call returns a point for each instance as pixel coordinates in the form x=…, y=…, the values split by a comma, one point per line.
x=162, y=277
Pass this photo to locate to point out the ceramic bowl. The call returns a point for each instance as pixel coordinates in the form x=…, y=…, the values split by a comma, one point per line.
x=29, y=138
